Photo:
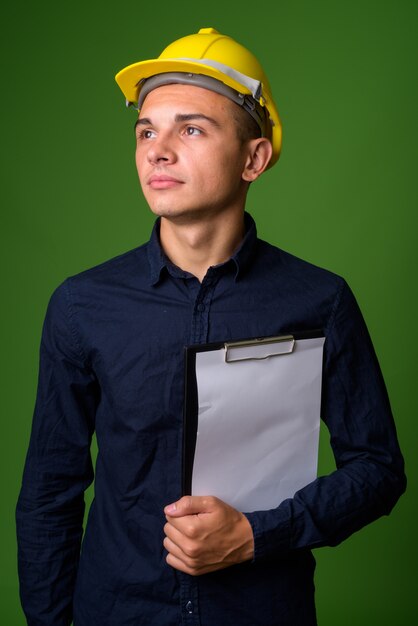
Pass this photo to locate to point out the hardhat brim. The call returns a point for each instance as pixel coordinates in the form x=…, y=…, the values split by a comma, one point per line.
x=129, y=78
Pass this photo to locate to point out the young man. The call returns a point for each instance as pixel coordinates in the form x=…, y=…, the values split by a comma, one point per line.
x=112, y=361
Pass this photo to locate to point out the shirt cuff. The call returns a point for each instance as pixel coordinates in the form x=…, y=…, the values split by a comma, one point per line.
x=272, y=532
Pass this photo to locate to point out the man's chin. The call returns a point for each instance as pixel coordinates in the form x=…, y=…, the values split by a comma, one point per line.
x=178, y=215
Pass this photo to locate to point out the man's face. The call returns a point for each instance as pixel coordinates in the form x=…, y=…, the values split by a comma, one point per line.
x=188, y=155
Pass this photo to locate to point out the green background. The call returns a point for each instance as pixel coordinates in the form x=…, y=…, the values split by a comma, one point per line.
x=343, y=196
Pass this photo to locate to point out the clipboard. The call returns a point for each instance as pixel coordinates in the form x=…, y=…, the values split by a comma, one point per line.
x=251, y=418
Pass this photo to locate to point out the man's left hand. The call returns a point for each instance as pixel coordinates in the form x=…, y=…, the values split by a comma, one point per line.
x=204, y=534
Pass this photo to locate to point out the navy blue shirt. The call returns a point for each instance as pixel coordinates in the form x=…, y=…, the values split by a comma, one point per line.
x=112, y=362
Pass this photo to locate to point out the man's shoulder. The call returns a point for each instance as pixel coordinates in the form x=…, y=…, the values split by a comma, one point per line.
x=103, y=284
x=280, y=262
x=123, y=266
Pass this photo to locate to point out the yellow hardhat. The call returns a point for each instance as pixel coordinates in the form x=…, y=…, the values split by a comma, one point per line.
x=208, y=58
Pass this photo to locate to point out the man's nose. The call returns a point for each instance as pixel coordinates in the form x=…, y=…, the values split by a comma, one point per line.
x=162, y=149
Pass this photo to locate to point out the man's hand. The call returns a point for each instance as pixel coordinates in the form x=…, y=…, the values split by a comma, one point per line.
x=204, y=534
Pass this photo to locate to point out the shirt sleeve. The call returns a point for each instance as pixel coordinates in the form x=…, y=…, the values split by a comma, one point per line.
x=58, y=469
x=369, y=477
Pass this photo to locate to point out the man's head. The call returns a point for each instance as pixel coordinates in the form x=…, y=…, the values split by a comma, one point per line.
x=217, y=63
x=190, y=161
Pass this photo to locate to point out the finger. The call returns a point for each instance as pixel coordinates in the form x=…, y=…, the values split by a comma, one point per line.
x=179, y=528
x=176, y=534
x=178, y=559
x=185, y=548
x=192, y=570
x=191, y=505
x=173, y=548
x=178, y=564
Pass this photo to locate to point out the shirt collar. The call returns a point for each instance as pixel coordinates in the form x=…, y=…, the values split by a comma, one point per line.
x=241, y=258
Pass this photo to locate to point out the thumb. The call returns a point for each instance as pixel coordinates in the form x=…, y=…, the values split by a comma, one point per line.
x=190, y=505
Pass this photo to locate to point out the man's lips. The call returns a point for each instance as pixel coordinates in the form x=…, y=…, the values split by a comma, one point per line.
x=162, y=181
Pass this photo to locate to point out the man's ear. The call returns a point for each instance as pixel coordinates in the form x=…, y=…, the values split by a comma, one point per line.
x=259, y=155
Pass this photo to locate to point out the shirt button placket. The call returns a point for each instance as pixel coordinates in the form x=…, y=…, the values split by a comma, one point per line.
x=201, y=312
x=189, y=589
x=189, y=602
x=191, y=614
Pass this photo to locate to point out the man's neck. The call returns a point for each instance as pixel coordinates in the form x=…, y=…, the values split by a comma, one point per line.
x=198, y=245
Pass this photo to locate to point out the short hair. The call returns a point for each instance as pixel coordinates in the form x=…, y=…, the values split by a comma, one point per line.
x=246, y=126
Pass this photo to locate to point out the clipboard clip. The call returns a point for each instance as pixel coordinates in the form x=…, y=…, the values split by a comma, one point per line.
x=259, y=349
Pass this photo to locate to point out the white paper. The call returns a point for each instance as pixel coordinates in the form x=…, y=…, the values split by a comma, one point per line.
x=258, y=426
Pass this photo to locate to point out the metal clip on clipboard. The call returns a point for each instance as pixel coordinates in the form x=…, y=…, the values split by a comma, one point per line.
x=258, y=349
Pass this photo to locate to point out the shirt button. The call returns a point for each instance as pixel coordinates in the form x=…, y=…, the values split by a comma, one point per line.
x=200, y=306
x=189, y=607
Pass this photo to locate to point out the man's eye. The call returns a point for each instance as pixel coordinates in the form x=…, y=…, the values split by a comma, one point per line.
x=191, y=130
x=146, y=134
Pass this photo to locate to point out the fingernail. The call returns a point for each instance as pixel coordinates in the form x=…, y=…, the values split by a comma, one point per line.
x=170, y=508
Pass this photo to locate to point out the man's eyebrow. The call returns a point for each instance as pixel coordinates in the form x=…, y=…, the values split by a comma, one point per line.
x=180, y=117
x=189, y=117
x=143, y=121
